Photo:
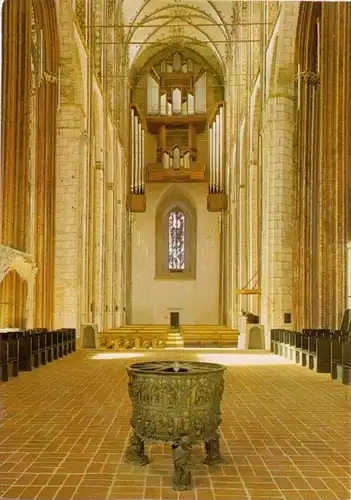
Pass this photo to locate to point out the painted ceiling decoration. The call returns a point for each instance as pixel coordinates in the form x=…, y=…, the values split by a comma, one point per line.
x=200, y=26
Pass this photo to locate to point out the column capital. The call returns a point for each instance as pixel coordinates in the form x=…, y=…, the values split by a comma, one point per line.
x=49, y=77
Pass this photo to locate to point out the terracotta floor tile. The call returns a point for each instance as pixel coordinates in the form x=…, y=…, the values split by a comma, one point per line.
x=154, y=480
x=152, y=493
x=169, y=494
x=65, y=493
x=116, y=496
x=201, y=495
x=283, y=483
x=187, y=495
x=274, y=445
x=48, y=492
x=263, y=493
x=291, y=495
x=30, y=492
x=14, y=491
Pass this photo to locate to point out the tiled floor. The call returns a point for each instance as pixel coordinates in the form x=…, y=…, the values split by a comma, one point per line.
x=64, y=427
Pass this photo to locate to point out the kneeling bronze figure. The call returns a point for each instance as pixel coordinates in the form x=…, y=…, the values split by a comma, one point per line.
x=178, y=403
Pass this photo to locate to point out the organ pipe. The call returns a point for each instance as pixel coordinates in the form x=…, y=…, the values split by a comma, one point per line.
x=133, y=149
x=214, y=141
x=210, y=158
x=152, y=96
x=142, y=161
x=216, y=153
x=221, y=131
x=200, y=94
x=136, y=138
x=218, y=133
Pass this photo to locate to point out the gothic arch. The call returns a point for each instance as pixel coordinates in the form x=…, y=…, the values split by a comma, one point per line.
x=282, y=69
x=174, y=199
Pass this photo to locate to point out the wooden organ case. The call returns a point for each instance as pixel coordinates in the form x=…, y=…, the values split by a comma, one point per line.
x=175, y=113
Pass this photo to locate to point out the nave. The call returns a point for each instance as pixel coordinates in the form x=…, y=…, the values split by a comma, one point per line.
x=64, y=428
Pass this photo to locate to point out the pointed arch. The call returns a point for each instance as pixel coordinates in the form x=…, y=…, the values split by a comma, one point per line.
x=175, y=245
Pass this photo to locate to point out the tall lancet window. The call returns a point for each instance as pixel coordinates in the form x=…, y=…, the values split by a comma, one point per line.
x=176, y=241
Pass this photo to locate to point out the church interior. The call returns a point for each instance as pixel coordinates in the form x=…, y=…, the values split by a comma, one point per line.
x=175, y=188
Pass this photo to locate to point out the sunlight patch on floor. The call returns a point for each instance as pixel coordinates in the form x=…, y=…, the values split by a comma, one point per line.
x=243, y=359
x=117, y=355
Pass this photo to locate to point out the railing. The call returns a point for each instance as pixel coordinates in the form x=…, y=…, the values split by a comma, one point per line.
x=154, y=172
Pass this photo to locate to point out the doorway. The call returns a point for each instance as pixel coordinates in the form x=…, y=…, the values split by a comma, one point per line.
x=174, y=319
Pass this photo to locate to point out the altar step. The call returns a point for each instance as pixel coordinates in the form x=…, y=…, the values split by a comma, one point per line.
x=174, y=338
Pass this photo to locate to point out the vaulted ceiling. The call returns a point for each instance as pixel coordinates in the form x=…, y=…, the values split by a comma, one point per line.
x=198, y=25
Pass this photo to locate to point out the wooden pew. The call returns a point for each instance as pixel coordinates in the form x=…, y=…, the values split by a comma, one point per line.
x=277, y=341
x=319, y=349
x=4, y=369
x=138, y=337
x=193, y=337
x=12, y=347
x=310, y=348
x=209, y=336
x=340, y=356
x=8, y=359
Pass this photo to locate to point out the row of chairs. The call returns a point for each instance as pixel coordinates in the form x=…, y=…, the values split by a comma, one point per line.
x=25, y=350
x=322, y=350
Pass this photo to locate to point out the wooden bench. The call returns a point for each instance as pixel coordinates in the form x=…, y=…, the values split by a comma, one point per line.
x=310, y=348
x=204, y=338
x=209, y=336
x=32, y=348
x=137, y=338
x=340, y=356
x=11, y=345
x=9, y=360
x=317, y=356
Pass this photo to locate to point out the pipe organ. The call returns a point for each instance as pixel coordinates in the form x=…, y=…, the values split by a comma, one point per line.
x=137, y=153
x=216, y=151
x=200, y=93
x=176, y=114
x=153, y=98
x=216, y=200
x=175, y=109
x=136, y=200
x=174, y=88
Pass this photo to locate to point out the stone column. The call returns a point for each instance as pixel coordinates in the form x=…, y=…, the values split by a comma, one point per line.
x=278, y=202
x=119, y=227
x=83, y=230
x=29, y=305
x=67, y=223
x=253, y=234
x=98, y=243
x=335, y=134
x=242, y=215
x=109, y=282
x=15, y=113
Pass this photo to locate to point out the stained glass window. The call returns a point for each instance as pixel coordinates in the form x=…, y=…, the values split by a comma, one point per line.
x=176, y=241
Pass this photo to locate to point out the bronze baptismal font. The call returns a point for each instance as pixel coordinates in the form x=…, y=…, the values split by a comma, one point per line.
x=178, y=403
